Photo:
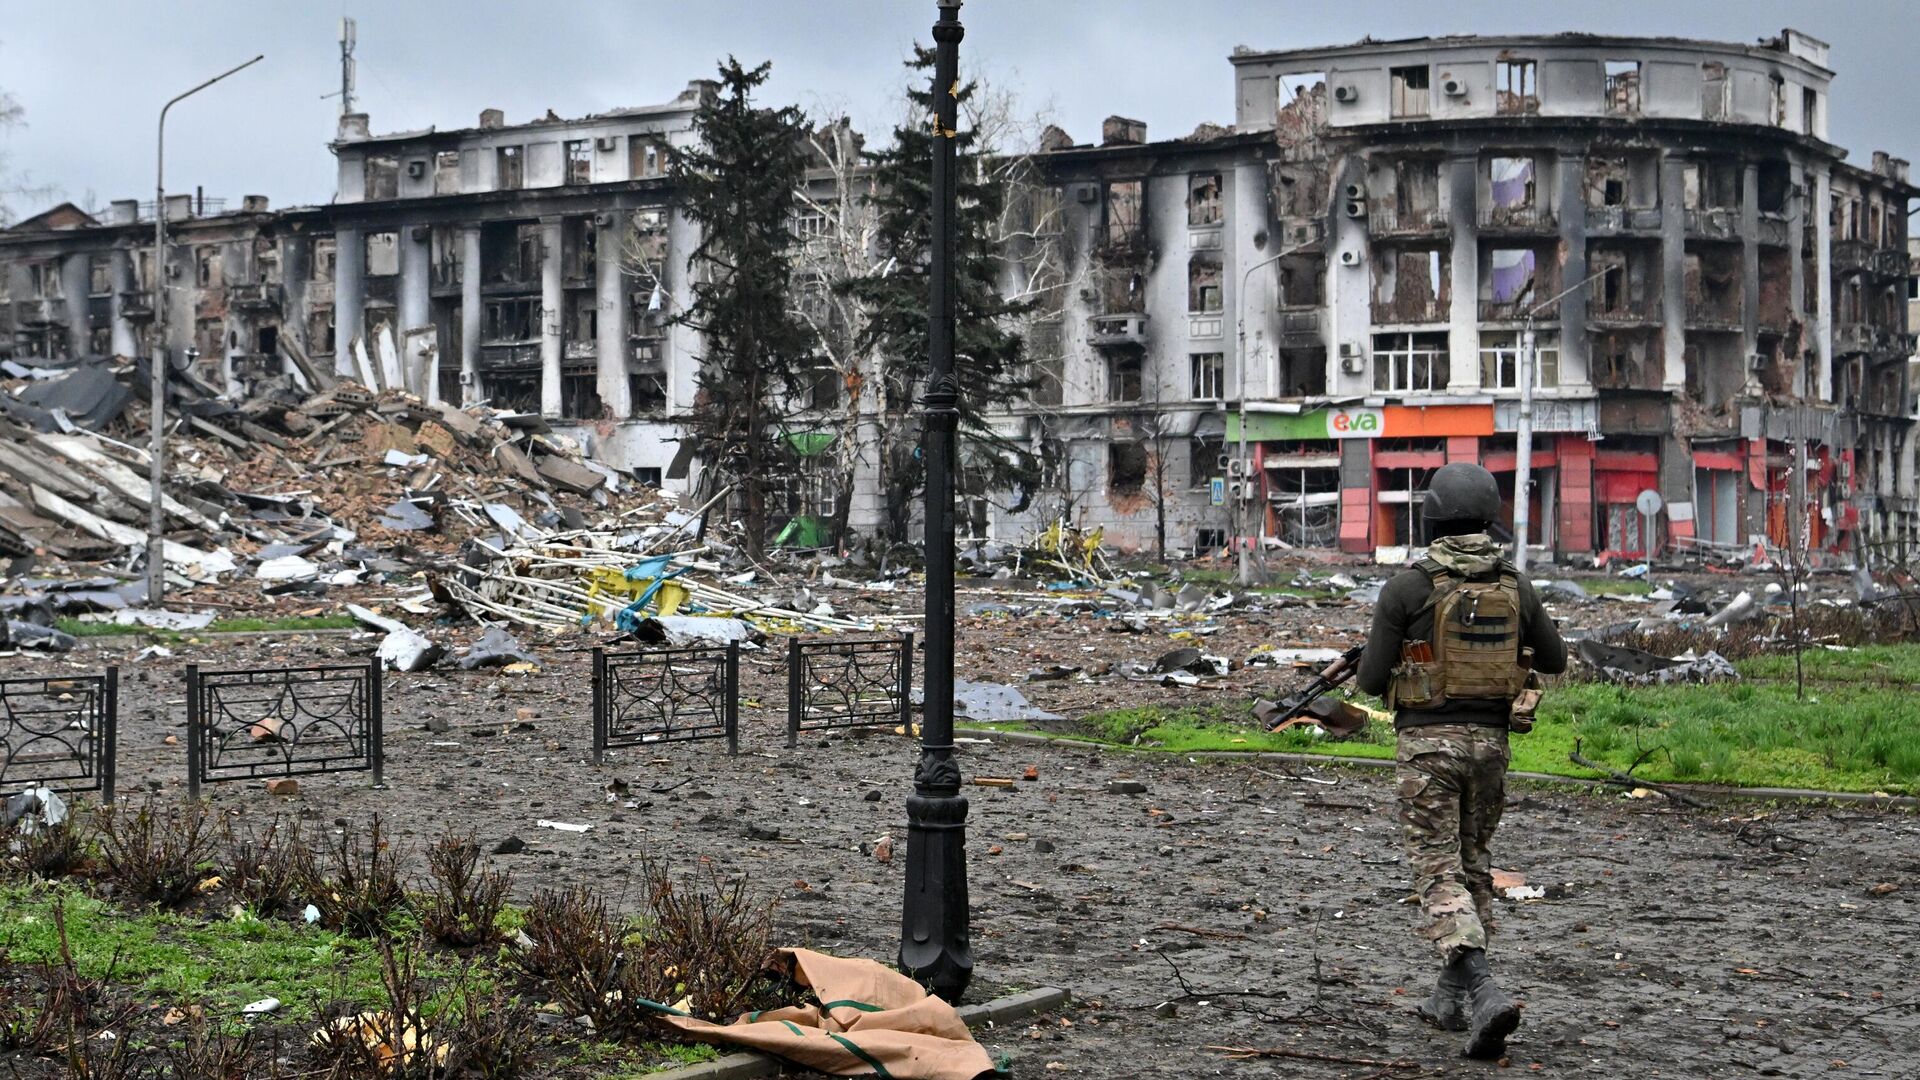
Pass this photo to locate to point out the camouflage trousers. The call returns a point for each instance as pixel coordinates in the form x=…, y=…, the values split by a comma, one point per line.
x=1453, y=780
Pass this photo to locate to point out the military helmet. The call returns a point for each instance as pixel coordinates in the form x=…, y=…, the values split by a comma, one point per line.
x=1461, y=492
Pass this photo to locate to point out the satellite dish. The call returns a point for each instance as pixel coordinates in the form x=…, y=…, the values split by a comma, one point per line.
x=1648, y=502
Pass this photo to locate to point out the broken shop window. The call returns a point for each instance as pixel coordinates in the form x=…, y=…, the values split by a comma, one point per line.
x=382, y=176
x=1410, y=363
x=510, y=168
x=1516, y=87
x=1124, y=378
x=1124, y=210
x=1126, y=467
x=1203, y=284
x=1203, y=199
x=1500, y=359
x=1408, y=88
x=1623, y=86
x=1207, y=376
x=578, y=154
x=1205, y=460
x=446, y=172
x=382, y=254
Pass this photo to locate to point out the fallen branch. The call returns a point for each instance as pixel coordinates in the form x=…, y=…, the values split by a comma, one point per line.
x=1201, y=931
x=1628, y=780
x=1245, y=1053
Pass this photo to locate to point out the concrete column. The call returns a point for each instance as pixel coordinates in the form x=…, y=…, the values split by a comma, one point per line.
x=1571, y=204
x=612, y=347
x=349, y=299
x=1749, y=265
x=126, y=342
x=1822, y=328
x=552, y=299
x=1463, y=336
x=75, y=280
x=470, y=312
x=419, y=350
x=1673, y=276
x=296, y=268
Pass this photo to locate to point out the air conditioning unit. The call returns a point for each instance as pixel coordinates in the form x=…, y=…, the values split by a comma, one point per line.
x=417, y=168
x=466, y=378
x=1236, y=466
x=1356, y=208
x=1453, y=87
x=1355, y=192
x=603, y=219
x=1756, y=361
x=1352, y=365
x=1087, y=193
x=1346, y=93
x=606, y=142
x=1349, y=257
x=421, y=232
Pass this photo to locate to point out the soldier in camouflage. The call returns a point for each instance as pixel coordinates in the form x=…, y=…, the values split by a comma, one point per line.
x=1453, y=754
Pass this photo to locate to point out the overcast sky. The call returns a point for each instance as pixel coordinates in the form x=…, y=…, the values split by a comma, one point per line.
x=92, y=75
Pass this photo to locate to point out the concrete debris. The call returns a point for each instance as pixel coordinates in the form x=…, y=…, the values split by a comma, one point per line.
x=496, y=648
x=1617, y=663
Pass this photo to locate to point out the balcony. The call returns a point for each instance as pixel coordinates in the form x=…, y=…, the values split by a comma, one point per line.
x=1515, y=310
x=254, y=296
x=136, y=304
x=1384, y=221
x=1852, y=337
x=1713, y=223
x=1706, y=314
x=1412, y=310
x=1622, y=316
x=39, y=311
x=1773, y=230
x=1852, y=256
x=1515, y=220
x=1118, y=331
x=1892, y=264
x=1623, y=220
x=1299, y=328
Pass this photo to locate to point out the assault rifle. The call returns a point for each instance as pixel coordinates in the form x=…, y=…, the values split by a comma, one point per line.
x=1306, y=705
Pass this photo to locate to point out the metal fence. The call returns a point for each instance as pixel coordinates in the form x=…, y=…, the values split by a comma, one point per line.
x=60, y=732
x=848, y=683
x=245, y=724
x=666, y=695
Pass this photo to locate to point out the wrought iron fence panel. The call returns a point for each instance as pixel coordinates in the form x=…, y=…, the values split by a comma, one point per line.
x=666, y=695
x=60, y=732
x=847, y=683
x=272, y=722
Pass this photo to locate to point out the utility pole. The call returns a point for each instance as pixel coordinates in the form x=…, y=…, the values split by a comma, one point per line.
x=934, y=938
x=1245, y=557
x=1523, y=431
x=348, y=38
x=158, y=358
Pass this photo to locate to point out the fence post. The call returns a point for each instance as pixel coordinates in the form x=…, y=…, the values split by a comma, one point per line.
x=108, y=737
x=194, y=749
x=906, y=684
x=376, y=722
x=796, y=691
x=599, y=704
x=733, y=698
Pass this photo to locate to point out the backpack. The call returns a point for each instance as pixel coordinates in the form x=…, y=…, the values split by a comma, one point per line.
x=1475, y=639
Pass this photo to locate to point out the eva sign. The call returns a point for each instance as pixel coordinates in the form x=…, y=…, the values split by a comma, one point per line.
x=1354, y=423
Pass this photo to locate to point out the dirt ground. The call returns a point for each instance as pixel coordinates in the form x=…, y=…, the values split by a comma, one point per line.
x=1229, y=905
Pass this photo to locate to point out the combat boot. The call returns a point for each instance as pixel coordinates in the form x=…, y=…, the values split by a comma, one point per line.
x=1446, y=1007
x=1492, y=1015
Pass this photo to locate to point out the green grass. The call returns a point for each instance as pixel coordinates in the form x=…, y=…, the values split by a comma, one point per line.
x=1853, y=733
x=290, y=624
x=618, y=1061
x=225, y=964
x=1614, y=586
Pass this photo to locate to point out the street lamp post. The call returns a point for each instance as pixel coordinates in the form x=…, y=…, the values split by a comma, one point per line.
x=1523, y=431
x=934, y=943
x=157, y=357
x=1245, y=574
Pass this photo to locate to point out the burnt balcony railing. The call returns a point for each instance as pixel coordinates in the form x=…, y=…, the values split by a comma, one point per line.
x=1128, y=330
x=1415, y=221
x=1622, y=220
x=1514, y=219
x=1713, y=223
x=1623, y=314
x=1852, y=256
x=253, y=295
x=1412, y=310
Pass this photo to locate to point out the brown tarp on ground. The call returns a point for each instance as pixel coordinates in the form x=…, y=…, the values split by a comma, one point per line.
x=872, y=1021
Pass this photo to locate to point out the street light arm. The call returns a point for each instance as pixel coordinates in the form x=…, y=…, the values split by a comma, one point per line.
x=160, y=157
x=1557, y=297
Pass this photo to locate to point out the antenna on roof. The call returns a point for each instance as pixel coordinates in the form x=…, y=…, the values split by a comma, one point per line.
x=348, y=37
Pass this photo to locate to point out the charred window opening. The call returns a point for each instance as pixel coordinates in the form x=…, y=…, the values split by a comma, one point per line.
x=579, y=247
x=1500, y=360
x=1415, y=205
x=647, y=390
x=1776, y=288
x=1203, y=199
x=510, y=168
x=1512, y=186
x=1410, y=363
x=382, y=254
x=510, y=253
x=1516, y=87
x=1206, y=376
x=99, y=275
x=1516, y=280
x=1303, y=281
x=646, y=157
x=1203, y=284
x=1204, y=460
x=1048, y=366
x=1710, y=185
x=1775, y=186
x=1409, y=90
x=1623, y=181
x=1302, y=372
x=1123, y=209
x=1122, y=292
x=580, y=393
x=1712, y=284
x=1412, y=285
x=1625, y=361
x=445, y=250
x=1623, y=86
x=1298, y=190
x=511, y=322
x=1623, y=285
x=1124, y=379
x=321, y=270
x=1126, y=467
x=382, y=173
x=320, y=331
x=446, y=172
x=578, y=154
x=206, y=267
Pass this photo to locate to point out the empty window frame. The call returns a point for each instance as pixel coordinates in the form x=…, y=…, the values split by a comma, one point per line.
x=647, y=391
x=446, y=172
x=1124, y=379
x=1512, y=277
x=1203, y=199
x=580, y=394
x=579, y=158
x=206, y=267
x=1500, y=360
x=1512, y=184
x=646, y=157
x=1516, y=86
x=510, y=165
x=1203, y=285
x=382, y=254
x=1623, y=86
x=1809, y=111
x=382, y=173
x=1204, y=464
x=1715, y=102
x=1124, y=209
x=1410, y=363
x=1126, y=467
x=511, y=321
x=1409, y=88
x=99, y=275
x=1207, y=376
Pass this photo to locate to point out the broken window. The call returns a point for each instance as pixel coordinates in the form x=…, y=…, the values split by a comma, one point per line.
x=647, y=390
x=99, y=275
x=382, y=254
x=323, y=259
x=510, y=168
x=1510, y=282
x=1809, y=111
x=579, y=157
x=1204, y=460
x=1126, y=467
x=1303, y=281
x=445, y=248
x=1410, y=363
x=1125, y=211
x=1412, y=285
x=1416, y=193
x=511, y=321
x=1122, y=291
x=1775, y=182
x=1511, y=182
x=1203, y=284
x=206, y=267
x=1500, y=360
x=1409, y=90
x=1516, y=88
x=1714, y=101
x=1123, y=378
x=382, y=176
x=446, y=172
x=646, y=157
x=580, y=393
x=820, y=386
x=1777, y=100
x=1710, y=185
x=1203, y=199
x=1623, y=86
x=1607, y=179
x=1207, y=376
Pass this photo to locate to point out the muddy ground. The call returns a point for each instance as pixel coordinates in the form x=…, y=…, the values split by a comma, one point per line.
x=1675, y=943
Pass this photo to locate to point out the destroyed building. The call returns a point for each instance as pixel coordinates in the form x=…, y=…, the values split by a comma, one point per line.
x=1351, y=269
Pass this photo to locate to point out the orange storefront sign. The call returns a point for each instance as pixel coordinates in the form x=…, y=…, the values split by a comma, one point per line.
x=1416, y=421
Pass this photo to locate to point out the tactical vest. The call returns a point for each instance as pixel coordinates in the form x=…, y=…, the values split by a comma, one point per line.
x=1475, y=639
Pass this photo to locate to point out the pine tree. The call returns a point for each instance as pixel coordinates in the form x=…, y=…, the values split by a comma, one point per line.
x=737, y=184
x=988, y=353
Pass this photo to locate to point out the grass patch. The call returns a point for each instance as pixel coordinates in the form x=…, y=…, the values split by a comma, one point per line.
x=1615, y=586
x=1851, y=734
x=289, y=624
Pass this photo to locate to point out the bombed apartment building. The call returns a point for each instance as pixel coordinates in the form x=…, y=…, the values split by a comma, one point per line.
x=1292, y=323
